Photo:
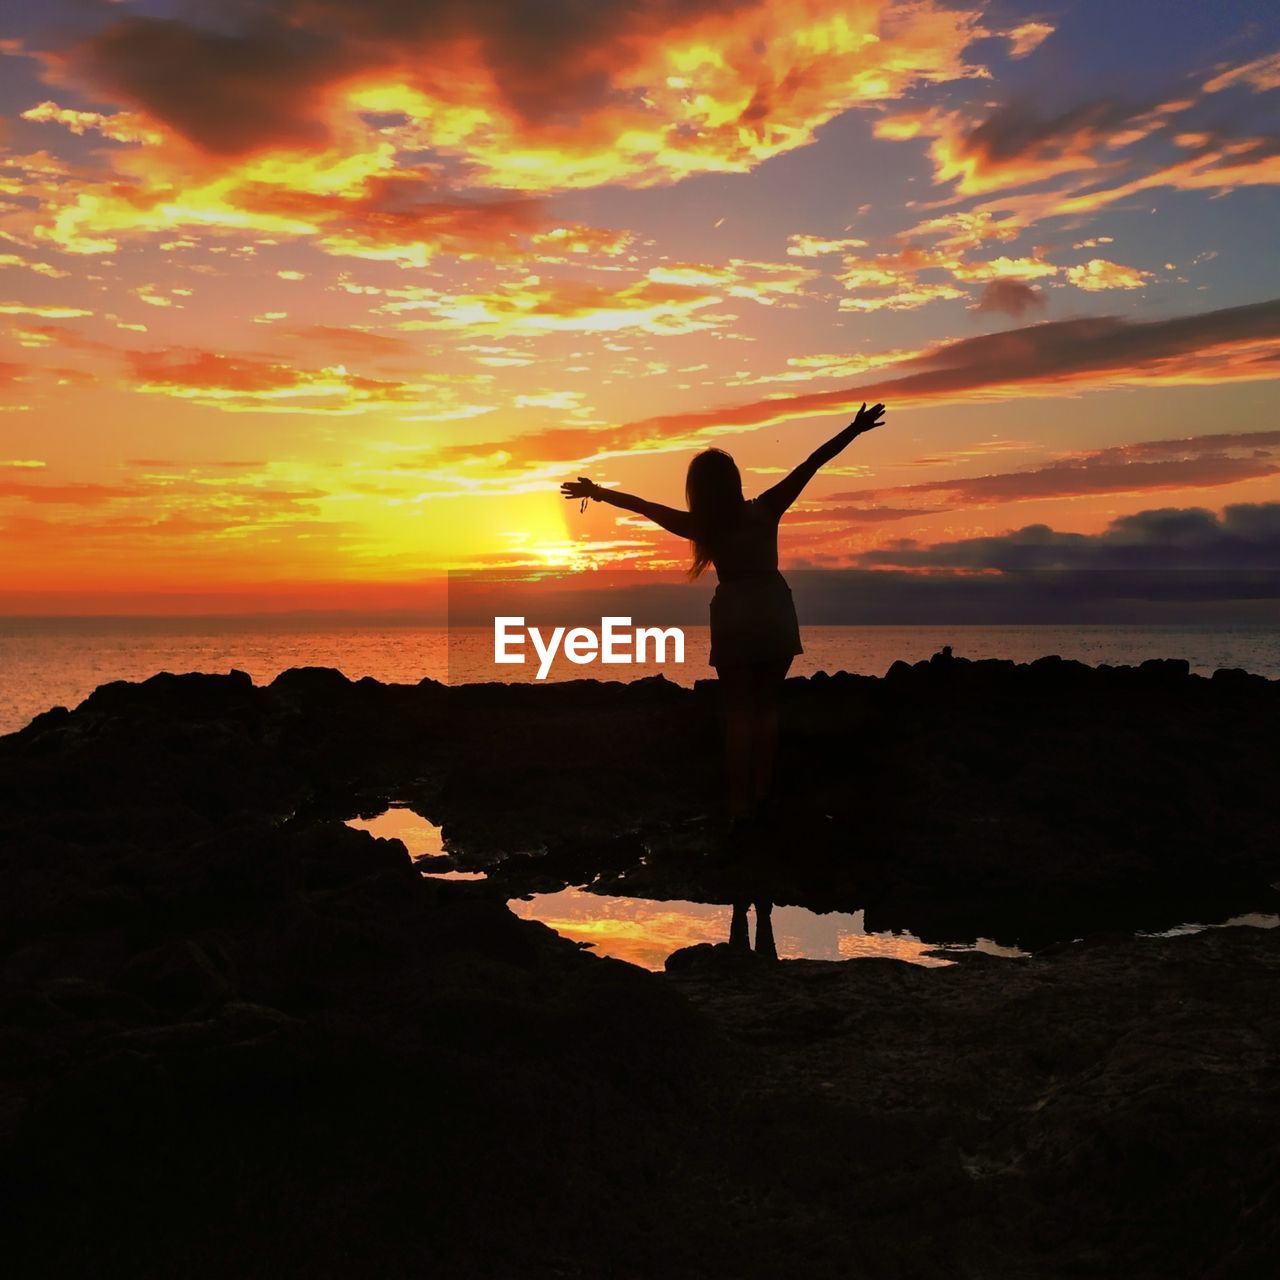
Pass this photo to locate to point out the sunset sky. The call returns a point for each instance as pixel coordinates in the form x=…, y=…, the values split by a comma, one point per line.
x=305, y=301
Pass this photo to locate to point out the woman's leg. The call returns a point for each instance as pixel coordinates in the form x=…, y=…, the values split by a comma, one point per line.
x=737, y=693
x=767, y=684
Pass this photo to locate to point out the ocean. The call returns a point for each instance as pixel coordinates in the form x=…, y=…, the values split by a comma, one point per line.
x=46, y=662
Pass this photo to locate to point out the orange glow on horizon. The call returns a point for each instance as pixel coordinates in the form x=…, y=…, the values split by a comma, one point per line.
x=348, y=312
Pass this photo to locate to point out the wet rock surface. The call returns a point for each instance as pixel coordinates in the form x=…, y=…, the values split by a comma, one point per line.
x=1029, y=803
x=1076, y=1113
x=240, y=1038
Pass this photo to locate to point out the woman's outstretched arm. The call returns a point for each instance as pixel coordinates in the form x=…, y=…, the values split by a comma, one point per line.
x=672, y=520
x=785, y=492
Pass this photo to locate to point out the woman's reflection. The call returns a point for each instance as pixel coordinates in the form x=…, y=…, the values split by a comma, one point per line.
x=739, y=928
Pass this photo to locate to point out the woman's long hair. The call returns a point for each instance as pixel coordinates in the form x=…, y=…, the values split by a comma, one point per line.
x=713, y=492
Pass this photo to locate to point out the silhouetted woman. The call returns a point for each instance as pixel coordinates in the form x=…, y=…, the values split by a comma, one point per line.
x=754, y=632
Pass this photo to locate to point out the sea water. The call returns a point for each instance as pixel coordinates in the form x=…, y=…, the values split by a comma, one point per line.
x=60, y=661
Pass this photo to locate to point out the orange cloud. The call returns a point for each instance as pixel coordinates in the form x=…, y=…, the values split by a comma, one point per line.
x=1218, y=166
x=1236, y=343
x=1084, y=157
x=1012, y=147
x=76, y=495
x=1027, y=37
x=263, y=385
x=1261, y=75
x=1150, y=466
x=573, y=96
x=311, y=121
x=827, y=365
x=344, y=340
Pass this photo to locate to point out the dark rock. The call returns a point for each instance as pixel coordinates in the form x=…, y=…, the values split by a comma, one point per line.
x=178, y=978
x=240, y=1038
x=1166, y=668
x=1234, y=677
x=712, y=958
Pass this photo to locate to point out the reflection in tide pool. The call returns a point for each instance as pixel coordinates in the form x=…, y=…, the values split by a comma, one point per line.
x=645, y=932
x=420, y=837
x=1250, y=920
x=638, y=930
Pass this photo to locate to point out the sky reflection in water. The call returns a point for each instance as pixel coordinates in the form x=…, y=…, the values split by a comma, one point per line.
x=646, y=931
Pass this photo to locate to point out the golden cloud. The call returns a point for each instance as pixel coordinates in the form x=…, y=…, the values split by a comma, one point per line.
x=312, y=121
x=892, y=280
x=1098, y=274
x=119, y=127
x=665, y=300
x=42, y=310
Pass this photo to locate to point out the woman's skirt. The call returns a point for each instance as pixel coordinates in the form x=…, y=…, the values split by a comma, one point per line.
x=753, y=619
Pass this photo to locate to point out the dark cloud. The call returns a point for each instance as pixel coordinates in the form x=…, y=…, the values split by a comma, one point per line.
x=229, y=93
x=549, y=58
x=1194, y=463
x=861, y=515
x=949, y=598
x=1165, y=565
x=1061, y=349
x=1012, y=297
x=1245, y=537
x=1013, y=131
x=1174, y=566
x=233, y=87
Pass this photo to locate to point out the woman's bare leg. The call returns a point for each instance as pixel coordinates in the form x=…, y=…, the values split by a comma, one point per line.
x=768, y=685
x=739, y=736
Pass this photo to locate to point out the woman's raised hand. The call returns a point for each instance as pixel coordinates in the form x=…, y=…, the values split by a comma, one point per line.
x=865, y=419
x=579, y=488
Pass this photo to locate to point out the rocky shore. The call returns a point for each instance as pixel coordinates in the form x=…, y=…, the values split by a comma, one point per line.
x=240, y=1038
